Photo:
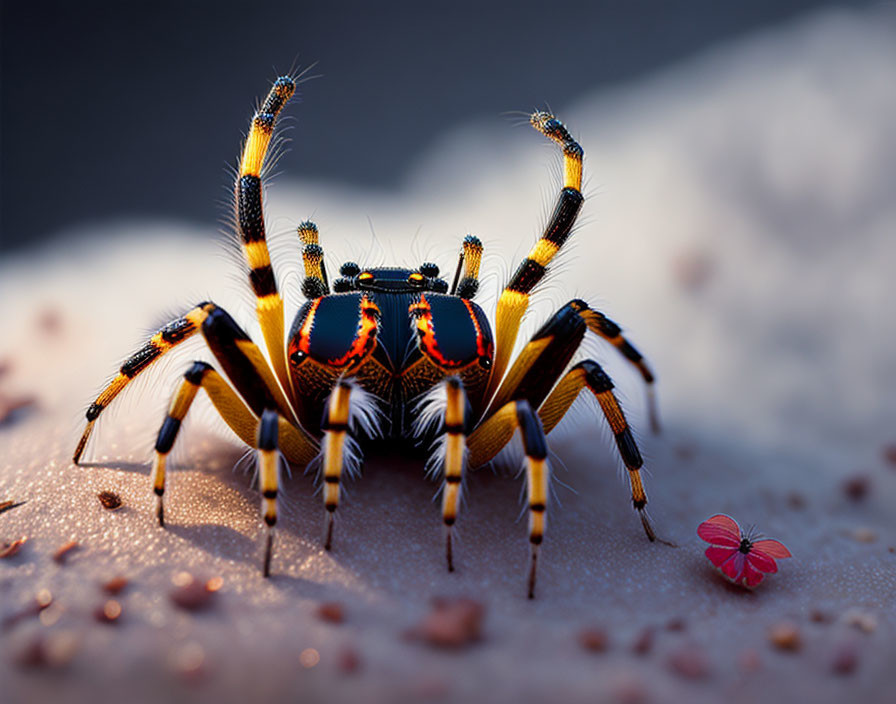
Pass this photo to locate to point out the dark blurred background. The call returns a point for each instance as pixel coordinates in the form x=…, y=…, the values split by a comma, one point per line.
x=112, y=109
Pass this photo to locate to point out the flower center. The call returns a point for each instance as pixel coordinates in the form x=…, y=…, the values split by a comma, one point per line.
x=745, y=546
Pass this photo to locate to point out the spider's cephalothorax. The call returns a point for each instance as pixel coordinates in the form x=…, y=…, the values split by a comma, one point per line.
x=391, y=352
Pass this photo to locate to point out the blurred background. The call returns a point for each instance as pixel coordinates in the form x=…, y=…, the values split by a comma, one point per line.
x=112, y=109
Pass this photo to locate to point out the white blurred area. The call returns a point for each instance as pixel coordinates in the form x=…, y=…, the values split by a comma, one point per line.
x=740, y=224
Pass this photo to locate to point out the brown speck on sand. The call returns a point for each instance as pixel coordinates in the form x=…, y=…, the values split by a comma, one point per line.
x=676, y=624
x=49, y=321
x=9, y=505
x=685, y=451
x=190, y=593
x=863, y=535
x=62, y=553
x=56, y=649
x=846, y=658
x=188, y=660
x=10, y=549
x=689, y=662
x=452, y=623
x=348, y=661
x=692, y=269
x=594, y=640
x=818, y=616
x=110, y=500
x=856, y=488
x=890, y=454
x=331, y=612
x=796, y=500
x=643, y=643
x=108, y=612
x=628, y=688
x=115, y=585
x=785, y=636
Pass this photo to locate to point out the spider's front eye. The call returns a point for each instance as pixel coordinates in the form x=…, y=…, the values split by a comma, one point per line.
x=485, y=363
x=416, y=279
x=297, y=357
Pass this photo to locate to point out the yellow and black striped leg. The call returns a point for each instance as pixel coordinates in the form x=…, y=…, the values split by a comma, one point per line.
x=589, y=374
x=515, y=297
x=164, y=340
x=315, y=284
x=335, y=432
x=466, y=276
x=233, y=410
x=268, y=478
x=454, y=449
x=250, y=220
x=487, y=440
x=601, y=325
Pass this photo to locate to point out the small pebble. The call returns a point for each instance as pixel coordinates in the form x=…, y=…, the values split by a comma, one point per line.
x=689, y=662
x=349, y=661
x=188, y=660
x=846, y=658
x=856, y=488
x=61, y=555
x=190, y=593
x=331, y=612
x=644, y=642
x=785, y=636
x=10, y=549
x=108, y=612
x=309, y=658
x=864, y=535
x=452, y=623
x=115, y=585
x=861, y=620
x=593, y=640
x=110, y=500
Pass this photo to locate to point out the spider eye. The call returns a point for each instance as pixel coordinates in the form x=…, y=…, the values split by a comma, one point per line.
x=366, y=277
x=297, y=357
x=416, y=279
x=485, y=362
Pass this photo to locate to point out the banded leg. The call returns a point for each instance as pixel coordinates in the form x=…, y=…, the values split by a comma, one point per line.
x=268, y=478
x=494, y=434
x=239, y=418
x=602, y=326
x=163, y=341
x=335, y=431
x=515, y=297
x=466, y=276
x=453, y=449
x=589, y=374
x=250, y=219
x=315, y=284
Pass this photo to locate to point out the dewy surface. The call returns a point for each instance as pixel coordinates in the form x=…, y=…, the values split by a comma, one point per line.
x=739, y=225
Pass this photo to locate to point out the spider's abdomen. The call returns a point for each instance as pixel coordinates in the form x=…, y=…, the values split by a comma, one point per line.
x=396, y=341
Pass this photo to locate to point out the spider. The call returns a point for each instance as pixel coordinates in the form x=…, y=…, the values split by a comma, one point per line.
x=393, y=352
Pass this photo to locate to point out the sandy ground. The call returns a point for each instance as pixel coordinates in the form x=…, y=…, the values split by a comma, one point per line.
x=740, y=225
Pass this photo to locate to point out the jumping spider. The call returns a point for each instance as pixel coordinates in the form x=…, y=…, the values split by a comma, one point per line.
x=390, y=351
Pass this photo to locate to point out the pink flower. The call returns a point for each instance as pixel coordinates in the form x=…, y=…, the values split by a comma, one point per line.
x=739, y=556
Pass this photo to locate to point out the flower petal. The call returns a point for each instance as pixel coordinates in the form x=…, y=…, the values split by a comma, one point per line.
x=720, y=530
x=762, y=562
x=718, y=555
x=752, y=577
x=772, y=548
x=733, y=568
